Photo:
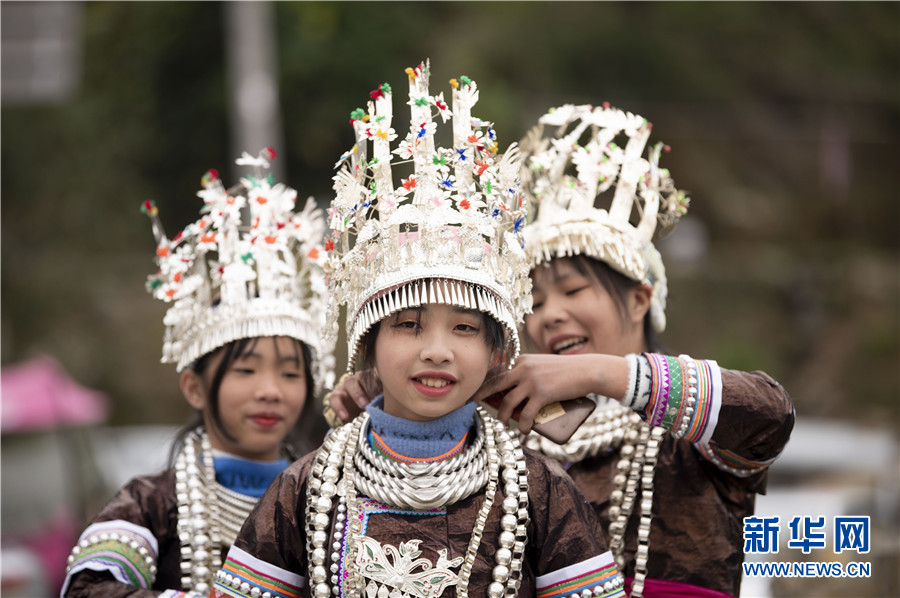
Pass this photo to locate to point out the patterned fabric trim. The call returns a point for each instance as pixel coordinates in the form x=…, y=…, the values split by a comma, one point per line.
x=731, y=462
x=125, y=550
x=709, y=386
x=598, y=576
x=384, y=450
x=245, y=576
x=180, y=594
x=369, y=506
x=685, y=396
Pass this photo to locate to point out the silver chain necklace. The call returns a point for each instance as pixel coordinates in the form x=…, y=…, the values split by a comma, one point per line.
x=209, y=515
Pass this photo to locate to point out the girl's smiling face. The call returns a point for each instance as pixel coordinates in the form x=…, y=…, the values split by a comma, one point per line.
x=431, y=360
x=260, y=397
x=573, y=313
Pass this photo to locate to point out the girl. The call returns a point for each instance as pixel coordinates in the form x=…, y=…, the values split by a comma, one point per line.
x=672, y=461
x=243, y=331
x=424, y=494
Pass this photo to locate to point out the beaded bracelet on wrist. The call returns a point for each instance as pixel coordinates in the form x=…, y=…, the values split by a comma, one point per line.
x=681, y=395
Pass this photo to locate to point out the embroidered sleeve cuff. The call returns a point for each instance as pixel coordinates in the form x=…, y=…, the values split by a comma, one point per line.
x=598, y=576
x=732, y=462
x=245, y=576
x=127, y=551
x=685, y=396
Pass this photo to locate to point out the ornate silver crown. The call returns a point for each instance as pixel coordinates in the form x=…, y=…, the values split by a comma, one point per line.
x=448, y=231
x=249, y=266
x=592, y=192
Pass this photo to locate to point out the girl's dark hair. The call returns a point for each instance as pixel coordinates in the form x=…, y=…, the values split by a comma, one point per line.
x=494, y=335
x=306, y=433
x=617, y=286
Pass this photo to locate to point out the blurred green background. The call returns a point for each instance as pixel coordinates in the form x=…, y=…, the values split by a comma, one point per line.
x=783, y=118
x=784, y=124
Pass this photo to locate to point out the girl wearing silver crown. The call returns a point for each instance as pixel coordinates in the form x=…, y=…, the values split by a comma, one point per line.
x=677, y=448
x=247, y=307
x=424, y=495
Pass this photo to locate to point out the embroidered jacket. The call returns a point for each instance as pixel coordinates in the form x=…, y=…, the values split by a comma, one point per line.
x=704, y=485
x=564, y=555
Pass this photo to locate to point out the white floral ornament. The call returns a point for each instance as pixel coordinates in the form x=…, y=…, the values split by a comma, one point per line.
x=565, y=176
x=398, y=572
x=226, y=279
x=450, y=232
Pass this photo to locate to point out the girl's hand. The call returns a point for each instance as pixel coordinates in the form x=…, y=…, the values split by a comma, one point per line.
x=348, y=399
x=537, y=380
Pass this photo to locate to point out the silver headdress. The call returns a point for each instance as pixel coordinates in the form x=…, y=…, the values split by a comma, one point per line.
x=449, y=233
x=565, y=178
x=250, y=266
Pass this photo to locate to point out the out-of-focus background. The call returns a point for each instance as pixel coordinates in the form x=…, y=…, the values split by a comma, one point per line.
x=784, y=124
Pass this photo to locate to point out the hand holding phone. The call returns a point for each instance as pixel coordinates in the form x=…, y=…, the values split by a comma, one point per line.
x=556, y=421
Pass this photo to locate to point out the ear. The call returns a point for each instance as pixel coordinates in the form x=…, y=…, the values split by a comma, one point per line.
x=193, y=389
x=639, y=302
x=497, y=358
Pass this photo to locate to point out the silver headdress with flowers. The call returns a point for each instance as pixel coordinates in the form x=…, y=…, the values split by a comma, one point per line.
x=595, y=156
x=250, y=266
x=450, y=232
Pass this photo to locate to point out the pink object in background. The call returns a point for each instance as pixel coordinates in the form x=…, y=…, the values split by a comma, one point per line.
x=39, y=402
x=40, y=395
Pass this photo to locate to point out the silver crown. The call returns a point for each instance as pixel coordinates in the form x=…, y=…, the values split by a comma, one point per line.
x=249, y=266
x=594, y=155
x=450, y=232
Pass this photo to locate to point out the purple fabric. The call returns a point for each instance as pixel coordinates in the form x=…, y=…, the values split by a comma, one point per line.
x=662, y=588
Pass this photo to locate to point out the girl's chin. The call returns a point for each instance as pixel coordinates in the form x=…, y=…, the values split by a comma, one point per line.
x=425, y=413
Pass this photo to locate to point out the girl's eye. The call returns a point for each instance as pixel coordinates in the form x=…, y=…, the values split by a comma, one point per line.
x=408, y=324
x=536, y=305
x=575, y=290
x=466, y=328
x=291, y=375
x=243, y=370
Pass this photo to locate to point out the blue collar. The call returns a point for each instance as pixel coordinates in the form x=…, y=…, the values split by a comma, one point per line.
x=246, y=476
x=418, y=440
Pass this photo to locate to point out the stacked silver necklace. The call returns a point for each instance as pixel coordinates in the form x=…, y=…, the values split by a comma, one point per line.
x=609, y=427
x=420, y=485
x=401, y=485
x=209, y=515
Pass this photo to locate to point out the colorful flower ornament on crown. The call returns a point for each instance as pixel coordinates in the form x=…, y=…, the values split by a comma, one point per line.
x=447, y=230
x=594, y=157
x=249, y=266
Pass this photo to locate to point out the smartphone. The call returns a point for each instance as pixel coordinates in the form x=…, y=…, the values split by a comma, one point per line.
x=556, y=421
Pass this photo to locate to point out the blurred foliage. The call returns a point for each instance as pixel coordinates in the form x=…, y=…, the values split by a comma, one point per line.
x=784, y=119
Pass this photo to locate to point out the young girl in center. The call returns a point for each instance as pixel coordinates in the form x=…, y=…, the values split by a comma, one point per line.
x=424, y=494
x=244, y=330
